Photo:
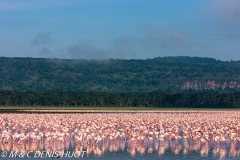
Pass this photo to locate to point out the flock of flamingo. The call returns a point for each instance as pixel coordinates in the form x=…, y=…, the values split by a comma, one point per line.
x=140, y=132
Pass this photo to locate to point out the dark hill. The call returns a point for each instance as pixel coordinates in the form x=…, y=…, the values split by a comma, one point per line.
x=115, y=75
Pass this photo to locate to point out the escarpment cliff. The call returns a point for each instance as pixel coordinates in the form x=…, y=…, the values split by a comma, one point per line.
x=210, y=85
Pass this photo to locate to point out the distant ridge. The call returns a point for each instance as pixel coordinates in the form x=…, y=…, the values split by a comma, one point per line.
x=118, y=75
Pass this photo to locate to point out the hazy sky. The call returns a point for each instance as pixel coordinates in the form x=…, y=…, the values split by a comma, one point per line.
x=138, y=29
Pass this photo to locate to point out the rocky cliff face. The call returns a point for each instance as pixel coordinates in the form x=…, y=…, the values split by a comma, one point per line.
x=209, y=85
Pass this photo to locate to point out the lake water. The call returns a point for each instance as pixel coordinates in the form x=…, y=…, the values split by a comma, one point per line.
x=119, y=150
x=208, y=135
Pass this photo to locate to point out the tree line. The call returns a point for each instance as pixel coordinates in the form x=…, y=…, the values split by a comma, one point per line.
x=129, y=99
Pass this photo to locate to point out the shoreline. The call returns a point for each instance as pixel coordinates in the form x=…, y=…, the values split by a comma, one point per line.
x=111, y=111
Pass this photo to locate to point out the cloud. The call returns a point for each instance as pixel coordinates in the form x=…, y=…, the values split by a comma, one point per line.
x=226, y=12
x=84, y=50
x=155, y=42
x=224, y=17
x=232, y=36
x=160, y=41
x=45, y=52
x=41, y=39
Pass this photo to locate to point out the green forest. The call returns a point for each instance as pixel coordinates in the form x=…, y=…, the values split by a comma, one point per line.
x=119, y=75
x=177, y=82
x=133, y=99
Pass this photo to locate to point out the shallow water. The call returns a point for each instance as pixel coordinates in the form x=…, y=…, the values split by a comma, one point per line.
x=168, y=149
x=120, y=136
